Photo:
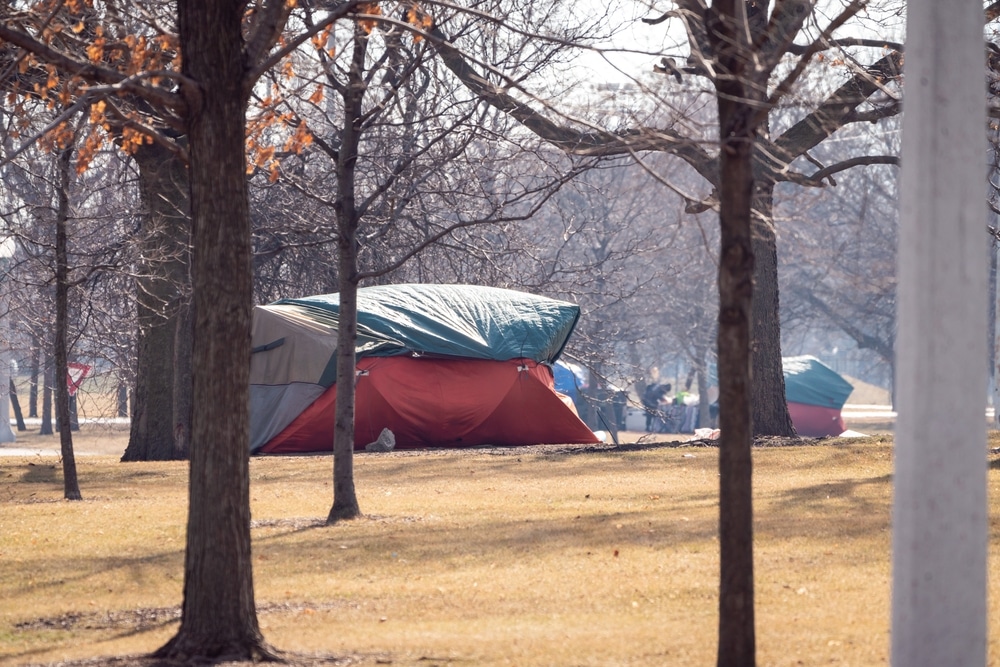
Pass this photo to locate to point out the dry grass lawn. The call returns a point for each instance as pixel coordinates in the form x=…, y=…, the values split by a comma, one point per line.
x=540, y=556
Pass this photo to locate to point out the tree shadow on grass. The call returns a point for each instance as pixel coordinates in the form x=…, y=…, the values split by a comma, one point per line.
x=842, y=507
x=41, y=473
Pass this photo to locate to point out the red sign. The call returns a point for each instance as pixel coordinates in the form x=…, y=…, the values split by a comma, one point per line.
x=76, y=373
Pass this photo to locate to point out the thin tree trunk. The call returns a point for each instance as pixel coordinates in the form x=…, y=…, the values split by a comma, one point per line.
x=6, y=378
x=736, y=641
x=345, y=499
x=122, y=399
x=182, y=397
x=70, y=481
x=16, y=405
x=736, y=591
x=36, y=356
x=701, y=372
x=46, y=427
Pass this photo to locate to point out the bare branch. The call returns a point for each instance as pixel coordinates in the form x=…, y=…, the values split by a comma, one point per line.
x=835, y=111
x=843, y=42
x=992, y=12
x=548, y=190
x=782, y=88
x=786, y=21
x=266, y=29
x=336, y=13
x=863, y=160
x=864, y=340
x=874, y=115
x=595, y=142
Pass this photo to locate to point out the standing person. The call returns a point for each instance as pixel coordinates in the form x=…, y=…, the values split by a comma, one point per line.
x=618, y=404
x=650, y=398
x=651, y=402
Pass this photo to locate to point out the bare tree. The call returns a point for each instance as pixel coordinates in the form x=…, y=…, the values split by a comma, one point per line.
x=70, y=481
x=866, y=96
x=738, y=46
x=206, y=101
x=121, y=40
x=400, y=162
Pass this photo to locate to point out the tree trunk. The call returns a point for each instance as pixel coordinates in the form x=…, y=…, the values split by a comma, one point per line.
x=16, y=405
x=161, y=305
x=46, y=427
x=219, y=618
x=770, y=408
x=736, y=605
x=735, y=89
x=182, y=397
x=71, y=485
x=345, y=500
x=122, y=399
x=36, y=357
x=701, y=372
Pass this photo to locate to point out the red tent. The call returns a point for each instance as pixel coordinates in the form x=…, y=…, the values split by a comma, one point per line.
x=472, y=401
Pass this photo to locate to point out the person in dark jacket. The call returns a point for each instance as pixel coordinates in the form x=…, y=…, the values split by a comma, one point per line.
x=650, y=402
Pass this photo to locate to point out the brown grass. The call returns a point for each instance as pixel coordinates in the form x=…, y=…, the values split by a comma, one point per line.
x=538, y=556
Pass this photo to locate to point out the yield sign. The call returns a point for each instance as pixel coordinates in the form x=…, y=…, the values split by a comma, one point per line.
x=76, y=373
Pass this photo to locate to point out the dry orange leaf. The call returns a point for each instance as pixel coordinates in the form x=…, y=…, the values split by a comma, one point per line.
x=97, y=111
x=419, y=19
x=370, y=9
x=96, y=49
x=317, y=95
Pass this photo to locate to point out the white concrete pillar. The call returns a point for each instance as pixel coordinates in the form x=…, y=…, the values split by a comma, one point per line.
x=6, y=433
x=994, y=289
x=939, y=509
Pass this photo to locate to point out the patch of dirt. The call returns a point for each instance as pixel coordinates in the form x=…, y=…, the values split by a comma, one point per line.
x=307, y=523
x=138, y=620
x=646, y=442
x=141, y=620
x=289, y=659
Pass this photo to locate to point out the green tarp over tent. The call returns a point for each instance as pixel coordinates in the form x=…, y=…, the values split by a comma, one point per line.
x=467, y=321
x=811, y=382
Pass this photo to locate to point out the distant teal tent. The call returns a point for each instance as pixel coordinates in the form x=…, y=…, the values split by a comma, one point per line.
x=815, y=394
